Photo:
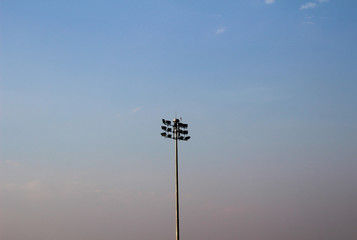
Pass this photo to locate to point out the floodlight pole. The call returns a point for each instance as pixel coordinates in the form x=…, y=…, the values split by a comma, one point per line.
x=177, y=134
x=177, y=185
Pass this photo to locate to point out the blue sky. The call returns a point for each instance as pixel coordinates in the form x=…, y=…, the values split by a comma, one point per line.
x=268, y=89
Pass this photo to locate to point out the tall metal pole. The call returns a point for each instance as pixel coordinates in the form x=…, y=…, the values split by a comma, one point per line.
x=177, y=132
x=177, y=186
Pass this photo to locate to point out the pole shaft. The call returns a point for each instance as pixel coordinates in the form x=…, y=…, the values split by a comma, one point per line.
x=177, y=187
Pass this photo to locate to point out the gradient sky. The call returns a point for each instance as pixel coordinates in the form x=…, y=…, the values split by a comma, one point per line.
x=268, y=88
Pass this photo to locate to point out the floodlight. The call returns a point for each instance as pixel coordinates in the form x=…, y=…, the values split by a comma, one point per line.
x=163, y=121
x=183, y=125
x=163, y=128
x=169, y=136
x=180, y=138
x=169, y=129
x=168, y=122
x=183, y=132
x=186, y=138
x=163, y=134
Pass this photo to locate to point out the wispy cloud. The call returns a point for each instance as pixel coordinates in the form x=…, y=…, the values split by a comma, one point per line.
x=46, y=190
x=308, y=5
x=314, y=4
x=309, y=20
x=12, y=163
x=220, y=30
x=269, y=1
x=135, y=110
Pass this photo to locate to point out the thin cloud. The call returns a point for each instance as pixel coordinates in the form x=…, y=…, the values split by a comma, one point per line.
x=34, y=186
x=12, y=163
x=309, y=20
x=220, y=30
x=308, y=5
x=135, y=110
x=269, y=1
x=42, y=190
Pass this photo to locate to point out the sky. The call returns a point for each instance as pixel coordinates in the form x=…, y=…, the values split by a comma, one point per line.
x=268, y=89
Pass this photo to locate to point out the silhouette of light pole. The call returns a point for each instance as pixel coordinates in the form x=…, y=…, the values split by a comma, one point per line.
x=177, y=131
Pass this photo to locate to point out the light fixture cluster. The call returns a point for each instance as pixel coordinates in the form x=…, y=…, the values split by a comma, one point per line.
x=175, y=130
